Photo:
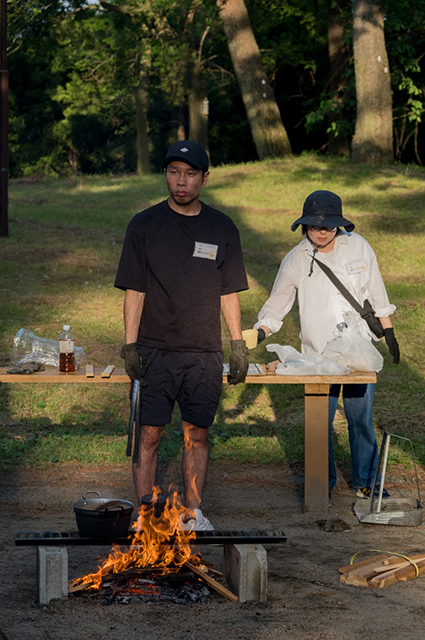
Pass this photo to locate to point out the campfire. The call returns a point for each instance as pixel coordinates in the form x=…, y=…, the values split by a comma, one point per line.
x=180, y=587
x=159, y=555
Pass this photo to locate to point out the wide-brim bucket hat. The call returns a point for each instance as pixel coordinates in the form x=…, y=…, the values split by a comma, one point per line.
x=323, y=209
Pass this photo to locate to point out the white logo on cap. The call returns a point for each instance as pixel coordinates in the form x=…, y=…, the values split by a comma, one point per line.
x=184, y=150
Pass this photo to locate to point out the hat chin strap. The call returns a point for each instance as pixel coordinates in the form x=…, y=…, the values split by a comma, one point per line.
x=315, y=250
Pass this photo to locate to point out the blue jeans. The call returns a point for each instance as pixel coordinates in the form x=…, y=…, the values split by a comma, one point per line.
x=358, y=407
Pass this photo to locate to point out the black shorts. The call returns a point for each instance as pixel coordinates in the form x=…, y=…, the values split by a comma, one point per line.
x=193, y=380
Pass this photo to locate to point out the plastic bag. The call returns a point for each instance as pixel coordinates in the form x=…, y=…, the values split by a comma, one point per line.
x=352, y=349
x=28, y=347
x=292, y=362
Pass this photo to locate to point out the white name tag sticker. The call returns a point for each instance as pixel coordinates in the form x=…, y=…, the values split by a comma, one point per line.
x=355, y=266
x=205, y=250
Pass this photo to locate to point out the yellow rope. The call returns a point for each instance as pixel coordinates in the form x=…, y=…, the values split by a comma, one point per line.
x=390, y=553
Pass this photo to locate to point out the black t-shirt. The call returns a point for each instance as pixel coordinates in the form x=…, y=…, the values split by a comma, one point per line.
x=183, y=280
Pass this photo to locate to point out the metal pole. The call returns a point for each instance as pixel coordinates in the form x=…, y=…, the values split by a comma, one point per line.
x=384, y=470
x=4, y=122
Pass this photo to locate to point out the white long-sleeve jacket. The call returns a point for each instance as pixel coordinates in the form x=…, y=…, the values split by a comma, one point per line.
x=321, y=305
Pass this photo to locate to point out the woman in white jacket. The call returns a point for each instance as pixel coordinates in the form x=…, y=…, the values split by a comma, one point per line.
x=322, y=308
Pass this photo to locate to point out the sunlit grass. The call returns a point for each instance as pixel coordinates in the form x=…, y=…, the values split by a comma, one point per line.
x=250, y=449
x=59, y=264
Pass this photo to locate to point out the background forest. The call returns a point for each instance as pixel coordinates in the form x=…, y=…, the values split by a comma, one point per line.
x=105, y=87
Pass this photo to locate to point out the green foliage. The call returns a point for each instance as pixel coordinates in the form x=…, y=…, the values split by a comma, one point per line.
x=405, y=40
x=74, y=67
x=340, y=126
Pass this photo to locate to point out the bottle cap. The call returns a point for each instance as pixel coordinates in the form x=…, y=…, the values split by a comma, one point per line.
x=66, y=327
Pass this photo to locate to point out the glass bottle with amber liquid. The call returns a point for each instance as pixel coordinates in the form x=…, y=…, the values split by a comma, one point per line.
x=66, y=350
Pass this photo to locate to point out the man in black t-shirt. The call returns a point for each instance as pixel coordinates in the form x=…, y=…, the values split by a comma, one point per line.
x=181, y=264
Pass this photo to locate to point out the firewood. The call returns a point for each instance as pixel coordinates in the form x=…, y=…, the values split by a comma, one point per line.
x=357, y=565
x=387, y=581
x=75, y=584
x=367, y=571
x=217, y=574
x=210, y=568
x=355, y=581
x=397, y=572
x=409, y=572
x=382, y=571
x=212, y=583
x=408, y=556
x=389, y=567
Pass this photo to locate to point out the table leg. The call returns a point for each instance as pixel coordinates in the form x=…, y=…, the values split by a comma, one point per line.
x=316, y=488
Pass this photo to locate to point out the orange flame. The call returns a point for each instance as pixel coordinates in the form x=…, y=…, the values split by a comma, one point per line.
x=157, y=542
x=191, y=478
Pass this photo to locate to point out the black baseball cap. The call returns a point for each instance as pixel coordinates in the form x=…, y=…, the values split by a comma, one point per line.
x=323, y=209
x=188, y=151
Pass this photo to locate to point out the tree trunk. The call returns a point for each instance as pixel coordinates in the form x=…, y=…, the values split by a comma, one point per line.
x=181, y=130
x=373, y=137
x=141, y=97
x=198, y=107
x=338, y=143
x=269, y=135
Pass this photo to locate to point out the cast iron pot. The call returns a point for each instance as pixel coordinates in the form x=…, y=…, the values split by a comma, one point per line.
x=102, y=517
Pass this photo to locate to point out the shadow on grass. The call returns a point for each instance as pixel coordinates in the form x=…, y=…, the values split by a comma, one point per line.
x=400, y=390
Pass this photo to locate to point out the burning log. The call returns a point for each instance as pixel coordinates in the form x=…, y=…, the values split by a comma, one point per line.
x=147, y=585
x=76, y=584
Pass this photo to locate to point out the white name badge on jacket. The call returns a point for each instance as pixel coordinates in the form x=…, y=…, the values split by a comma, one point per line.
x=355, y=266
x=205, y=250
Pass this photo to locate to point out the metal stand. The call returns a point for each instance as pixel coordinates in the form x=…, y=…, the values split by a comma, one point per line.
x=405, y=512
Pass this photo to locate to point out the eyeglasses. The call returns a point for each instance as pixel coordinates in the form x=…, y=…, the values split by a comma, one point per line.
x=329, y=229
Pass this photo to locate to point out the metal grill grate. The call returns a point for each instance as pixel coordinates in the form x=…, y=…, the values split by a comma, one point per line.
x=61, y=539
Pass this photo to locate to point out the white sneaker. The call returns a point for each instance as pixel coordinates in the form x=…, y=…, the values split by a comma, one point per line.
x=198, y=523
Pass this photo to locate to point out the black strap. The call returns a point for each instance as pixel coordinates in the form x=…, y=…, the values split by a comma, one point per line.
x=347, y=295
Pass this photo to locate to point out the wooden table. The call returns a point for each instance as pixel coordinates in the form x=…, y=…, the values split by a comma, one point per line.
x=316, y=468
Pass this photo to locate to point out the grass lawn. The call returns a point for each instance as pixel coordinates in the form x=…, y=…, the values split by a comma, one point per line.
x=58, y=266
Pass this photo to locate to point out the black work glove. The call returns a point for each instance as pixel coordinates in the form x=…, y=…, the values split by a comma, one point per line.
x=261, y=335
x=238, y=362
x=135, y=366
x=392, y=344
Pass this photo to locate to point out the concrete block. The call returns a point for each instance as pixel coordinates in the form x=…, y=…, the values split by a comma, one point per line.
x=52, y=573
x=245, y=569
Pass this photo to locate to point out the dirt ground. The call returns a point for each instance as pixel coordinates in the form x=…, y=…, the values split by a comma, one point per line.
x=306, y=600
